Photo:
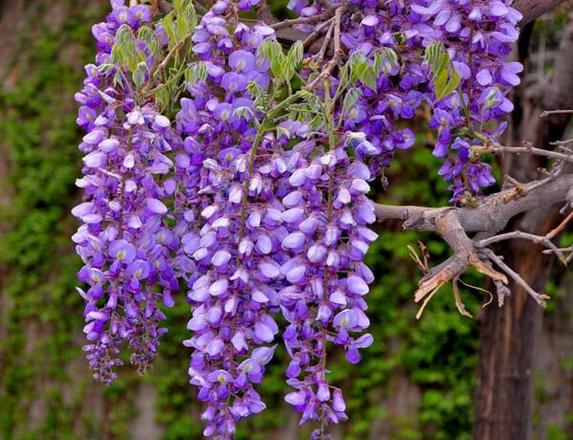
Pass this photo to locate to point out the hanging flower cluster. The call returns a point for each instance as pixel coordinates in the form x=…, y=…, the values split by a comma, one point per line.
x=483, y=33
x=327, y=222
x=254, y=202
x=125, y=242
x=233, y=288
x=478, y=35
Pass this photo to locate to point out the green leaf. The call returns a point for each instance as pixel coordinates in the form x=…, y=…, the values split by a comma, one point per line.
x=362, y=70
x=445, y=76
x=179, y=7
x=182, y=27
x=145, y=33
x=296, y=53
x=124, y=35
x=106, y=68
x=282, y=131
x=351, y=99
x=163, y=98
x=258, y=94
x=358, y=65
x=191, y=15
x=316, y=122
x=117, y=80
x=270, y=49
x=170, y=30
x=279, y=66
x=243, y=112
x=386, y=61
x=123, y=52
x=181, y=21
x=452, y=84
x=139, y=74
x=292, y=60
x=369, y=77
x=195, y=73
x=441, y=81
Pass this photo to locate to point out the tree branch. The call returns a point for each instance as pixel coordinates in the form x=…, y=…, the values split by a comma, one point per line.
x=337, y=48
x=488, y=218
x=532, y=9
x=540, y=298
x=492, y=214
x=529, y=149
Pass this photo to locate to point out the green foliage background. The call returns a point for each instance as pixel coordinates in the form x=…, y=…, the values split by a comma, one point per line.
x=37, y=269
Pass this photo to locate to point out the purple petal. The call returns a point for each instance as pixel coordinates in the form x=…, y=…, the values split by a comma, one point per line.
x=296, y=398
x=263, y=332
x=156, y=206
x=219, y=287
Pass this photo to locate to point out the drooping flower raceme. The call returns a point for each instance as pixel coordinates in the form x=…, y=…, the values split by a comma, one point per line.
x=253, y=203
x=478, y=35
x=327, y=219
x=125, y=243
x=236, y=228
x=482, y=33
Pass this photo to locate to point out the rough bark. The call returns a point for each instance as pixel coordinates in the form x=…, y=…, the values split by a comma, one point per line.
x=532, y=9
x=504, y=387
x=553, y=374
x=508, y=336
x=493, y=213
x=504, y=393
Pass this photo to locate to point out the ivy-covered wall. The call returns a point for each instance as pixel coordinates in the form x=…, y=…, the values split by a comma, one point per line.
x=415, y=382
x=38, y=137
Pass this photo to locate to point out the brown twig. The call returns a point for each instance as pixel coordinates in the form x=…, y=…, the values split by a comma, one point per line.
x=559, y=228
x=541, y=299
x=163, y=65
x=458, y=300
x=315, y=35
x=337, y=50
x=479, y=289
x=422, y=264
x=497, y=148
x=537, y=239
x=555, y=112
x=302, y=20
x=326, y=42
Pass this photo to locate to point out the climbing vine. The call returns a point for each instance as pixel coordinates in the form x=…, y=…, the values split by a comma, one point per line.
x=38, y=127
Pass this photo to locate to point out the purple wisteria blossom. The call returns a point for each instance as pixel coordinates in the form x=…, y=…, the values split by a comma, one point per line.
x=324, y=300
x=478, y=35
x=235, y=239
x=124, y=241
x=256, y=212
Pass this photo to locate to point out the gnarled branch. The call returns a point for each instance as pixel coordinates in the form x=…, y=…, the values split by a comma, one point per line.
x=486, y=219
x=532, y=9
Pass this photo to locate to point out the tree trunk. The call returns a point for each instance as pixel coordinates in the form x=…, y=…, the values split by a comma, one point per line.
x=504, y=388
